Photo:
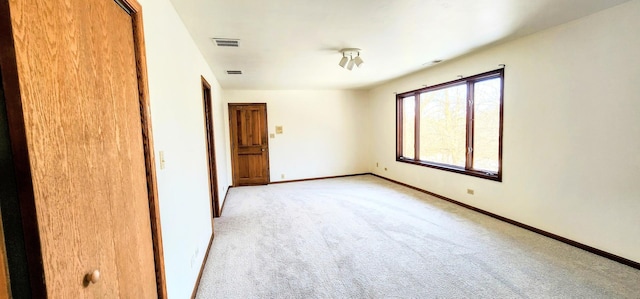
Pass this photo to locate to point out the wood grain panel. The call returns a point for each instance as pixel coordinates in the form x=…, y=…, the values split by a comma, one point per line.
x=132, y=238
x=65, y=155
x=242, y=137
x=16, y=125
x=255, y=166
x=256, y=126
x=243, y=166
x=77, y=75
x=147, y=133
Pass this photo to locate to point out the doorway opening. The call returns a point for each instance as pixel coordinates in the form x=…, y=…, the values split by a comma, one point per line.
x=211, y=148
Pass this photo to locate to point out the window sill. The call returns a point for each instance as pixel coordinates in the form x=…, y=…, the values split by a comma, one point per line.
x=476, y=173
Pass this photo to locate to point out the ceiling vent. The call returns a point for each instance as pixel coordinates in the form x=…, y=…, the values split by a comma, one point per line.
x=234, y=72
x=226, y=42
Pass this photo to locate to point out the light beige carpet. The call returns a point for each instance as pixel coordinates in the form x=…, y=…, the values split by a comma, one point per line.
x=364, y=237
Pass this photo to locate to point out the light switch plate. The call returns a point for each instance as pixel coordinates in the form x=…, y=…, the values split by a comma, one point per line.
x=278, y=129
x=161, y=154
x=272, y=135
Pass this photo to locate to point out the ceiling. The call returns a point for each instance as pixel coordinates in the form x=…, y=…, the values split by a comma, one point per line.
x=294, y=44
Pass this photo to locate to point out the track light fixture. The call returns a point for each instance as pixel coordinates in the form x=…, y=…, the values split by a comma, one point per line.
x=343, y=61
x=350, y=65
x=348, y=56
x=358, y=60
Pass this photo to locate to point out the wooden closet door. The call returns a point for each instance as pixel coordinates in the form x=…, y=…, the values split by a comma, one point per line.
x=82, y=120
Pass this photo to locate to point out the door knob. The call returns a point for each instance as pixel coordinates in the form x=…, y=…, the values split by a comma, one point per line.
x=92, y=277
x=263, y=150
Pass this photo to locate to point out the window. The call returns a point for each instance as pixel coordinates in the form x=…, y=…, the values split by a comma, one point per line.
x=454, y=126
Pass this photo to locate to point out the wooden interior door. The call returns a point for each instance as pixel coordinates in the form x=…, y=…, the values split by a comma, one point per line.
x=73, y=105
x=249, y=144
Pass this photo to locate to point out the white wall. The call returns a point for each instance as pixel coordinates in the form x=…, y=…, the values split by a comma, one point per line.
x=174, y=66
x=325, y=132
x=571, y=131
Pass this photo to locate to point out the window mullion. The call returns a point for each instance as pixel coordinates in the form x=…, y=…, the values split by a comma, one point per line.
x=416, y=138
x=470, y=123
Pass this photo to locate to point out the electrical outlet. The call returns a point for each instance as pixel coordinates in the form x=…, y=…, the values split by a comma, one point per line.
x=282, y=176
x=377, y=164
x=470, y=191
